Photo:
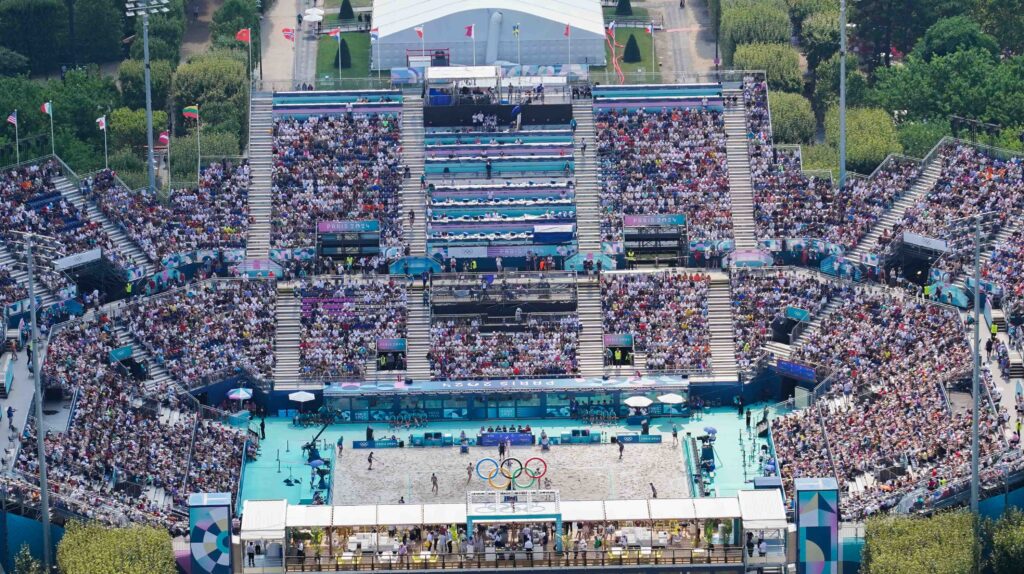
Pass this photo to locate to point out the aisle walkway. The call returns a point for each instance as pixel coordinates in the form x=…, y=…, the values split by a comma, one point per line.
x=278, y=53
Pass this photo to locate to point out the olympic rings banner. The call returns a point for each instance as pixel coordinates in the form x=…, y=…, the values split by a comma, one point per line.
x=509, y=473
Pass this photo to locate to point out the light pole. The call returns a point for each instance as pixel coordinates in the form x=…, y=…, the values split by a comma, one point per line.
x=36, y=343
x=975, y=224
x=842, y=93
x=144, y=8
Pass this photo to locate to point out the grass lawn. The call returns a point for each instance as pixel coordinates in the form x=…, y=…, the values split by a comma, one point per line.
x=647, y=62
x=358, y=47
x=609, y=14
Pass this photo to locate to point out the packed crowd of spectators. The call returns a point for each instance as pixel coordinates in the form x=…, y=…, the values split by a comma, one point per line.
x=211, y=216
x=30, y=202
x=888, y=358
x=10, y=290
x=208, y=328
x=759, y=301
x=787, y=203
x=667, y=313
x=972, y=182
x=343, y=317
x=666, y=162
x=116, y=436
x=535, y=346
x=335, y=168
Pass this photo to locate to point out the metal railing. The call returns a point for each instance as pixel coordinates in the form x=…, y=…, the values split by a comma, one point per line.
x=512, y=559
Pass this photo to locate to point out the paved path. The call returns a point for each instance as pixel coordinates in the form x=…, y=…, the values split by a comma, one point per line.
x=687, y=44
x=197, y=32
x=278, y=53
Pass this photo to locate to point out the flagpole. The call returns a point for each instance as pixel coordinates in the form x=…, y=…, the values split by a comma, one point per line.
x=170, y=174
x=106, y=159
x=474, y=44
x=17, y=140
x=53, y=144
x=339, y=57
x=199, y=150
x=568, y=36
x=519, y=52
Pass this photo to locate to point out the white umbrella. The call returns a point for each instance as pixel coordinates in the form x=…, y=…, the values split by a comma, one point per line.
x=671, y=399
x=313, y=18
x=240, y=394
x=301, y=396
x=312, y=11
x=638, y=402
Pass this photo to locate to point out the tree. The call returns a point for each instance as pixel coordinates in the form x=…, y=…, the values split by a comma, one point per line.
x=83, y=96
x=346, y=12
x=216, y=81
x=918, y=138
x=886, y=24
x=128, y=128
x=781, y=64
x=821, y=157
x=631, y=54
x=159, y=49
x=800, y=10
x=792, y=118
x=24, y=563
x=820, y=37
x=970, y=83
x=96, y=549
x=83, y=156
x=98, y=25
x=757, y=23
x=870, y=136
x=232, y=16
x=12, y=63
x=623, y=8
x=1008, y=542
x=133, y=84
x=826, y=83
x=951, y=35
x=28, y=28
x=940, y=544
x=1004, y=19
x=343, y=58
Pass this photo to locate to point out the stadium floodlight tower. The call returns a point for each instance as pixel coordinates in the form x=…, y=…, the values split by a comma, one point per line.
x=960, y=228
x=144, y=8
x=48, y=246
x=842, y=93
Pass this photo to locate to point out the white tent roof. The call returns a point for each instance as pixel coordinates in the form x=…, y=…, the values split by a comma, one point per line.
x=263, y=519
x=762, y=509
x=444, y=514
x=716, y=508
x=626, y=510
x=581, y=510
x=672, y=509
x=390, y=16
x=300, y=515
x=365, y=515
x=399, y=514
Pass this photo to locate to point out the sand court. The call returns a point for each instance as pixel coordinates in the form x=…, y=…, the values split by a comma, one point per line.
x=579, y=472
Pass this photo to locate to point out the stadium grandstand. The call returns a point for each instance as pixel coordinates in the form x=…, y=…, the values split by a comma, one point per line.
x=639, y=289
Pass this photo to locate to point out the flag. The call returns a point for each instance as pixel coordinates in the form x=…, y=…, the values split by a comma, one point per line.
x=47, y=108
x=374, y=34
x=191, y=112
x=566, y=31
x=471, y=31
x=649, y=28
x=244, y=35
x=101, y=122
x=335, y=33
x=165, y=138
x=419, y=31
x=515, y=30
x=289, y=34
x=611, y=28
x=12, y=118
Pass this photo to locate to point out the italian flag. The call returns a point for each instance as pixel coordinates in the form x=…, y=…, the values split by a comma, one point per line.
x=47, y=108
